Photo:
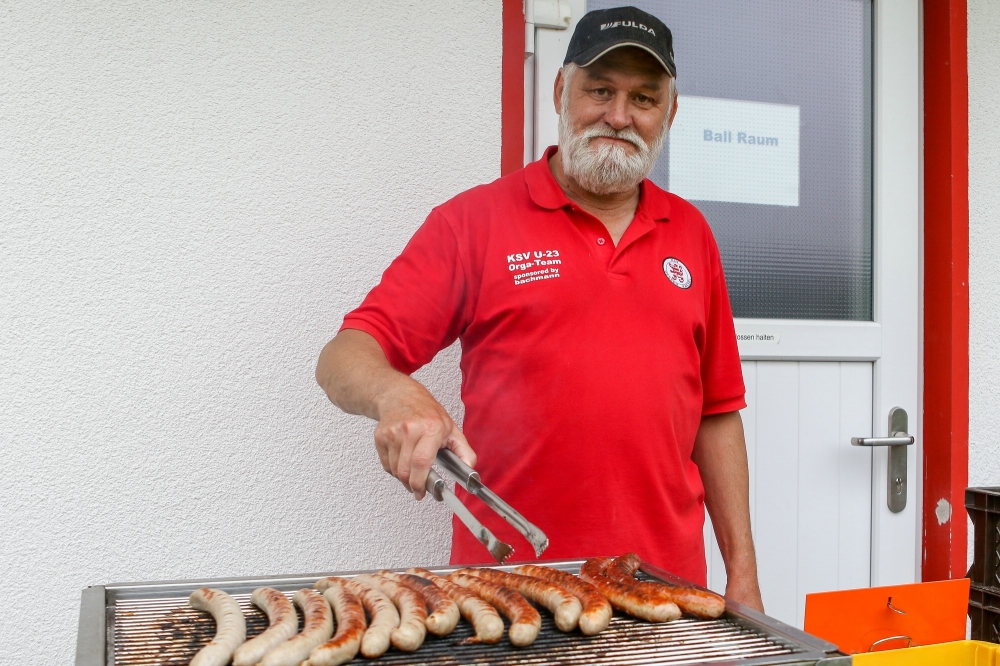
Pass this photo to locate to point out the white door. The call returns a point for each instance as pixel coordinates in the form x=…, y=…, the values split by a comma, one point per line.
x=820, y=241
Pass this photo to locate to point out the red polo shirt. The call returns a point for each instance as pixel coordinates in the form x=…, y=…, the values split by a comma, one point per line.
x=586, y=368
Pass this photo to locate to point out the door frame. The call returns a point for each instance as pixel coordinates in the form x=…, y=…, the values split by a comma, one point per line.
x=943, y=237
x=946, y=297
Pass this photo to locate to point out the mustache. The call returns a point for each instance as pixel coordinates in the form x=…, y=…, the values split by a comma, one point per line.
x=603, y=131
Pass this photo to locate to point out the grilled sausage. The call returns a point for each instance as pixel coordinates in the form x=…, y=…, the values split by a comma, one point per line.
x=483, y=617
x=230, y=626
x=563, y=605
x=700, y=603
x=350, y=615
x=627, y=597
x=383, y=614
x=317, y=628
x=412, y=613
x=443, y=612
x=596, y=613
x=594, y=567
x=283, y=623
x=525, y=622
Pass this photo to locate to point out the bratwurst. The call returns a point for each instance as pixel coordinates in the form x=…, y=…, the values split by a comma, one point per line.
x=283, y=623
x=626, y=597
x=412, y=613
x=443, y=612
x=483, y=617
x=350, y=616
x=317, y=628
x=383, y=614
x=563, y=605
x=596, y=613
x=525, y=622
x=700, y=603
x=230, y=626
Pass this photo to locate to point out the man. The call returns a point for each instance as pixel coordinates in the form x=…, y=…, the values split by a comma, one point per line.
x=599, y=365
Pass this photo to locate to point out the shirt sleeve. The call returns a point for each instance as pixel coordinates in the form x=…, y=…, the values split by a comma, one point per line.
x=419, y=307
x=721, y=371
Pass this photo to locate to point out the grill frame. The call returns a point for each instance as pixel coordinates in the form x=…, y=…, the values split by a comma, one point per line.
x=96, y=634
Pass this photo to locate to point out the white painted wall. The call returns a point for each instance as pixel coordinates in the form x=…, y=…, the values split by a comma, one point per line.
x=192, y=195
x=984, y=241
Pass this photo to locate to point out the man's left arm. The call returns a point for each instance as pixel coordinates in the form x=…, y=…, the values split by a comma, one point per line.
x=721, y=455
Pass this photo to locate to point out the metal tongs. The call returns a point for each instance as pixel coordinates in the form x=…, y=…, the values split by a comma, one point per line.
x=469, y=479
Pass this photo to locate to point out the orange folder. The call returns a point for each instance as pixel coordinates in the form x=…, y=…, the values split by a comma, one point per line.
x=888, y=618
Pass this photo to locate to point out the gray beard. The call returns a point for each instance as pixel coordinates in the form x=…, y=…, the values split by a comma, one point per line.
x=606, y=169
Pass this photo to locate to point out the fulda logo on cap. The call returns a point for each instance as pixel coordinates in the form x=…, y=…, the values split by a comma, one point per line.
x=627, y=24
x=677, y=272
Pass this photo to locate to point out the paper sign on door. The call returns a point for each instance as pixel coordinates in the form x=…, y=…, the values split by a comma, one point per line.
x=734, y=150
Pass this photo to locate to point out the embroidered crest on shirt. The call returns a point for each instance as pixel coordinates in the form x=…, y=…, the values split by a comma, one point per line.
x=677, y=272
x=534, y=265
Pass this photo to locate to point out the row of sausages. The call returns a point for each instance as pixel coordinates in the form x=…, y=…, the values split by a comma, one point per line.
x=374, y=611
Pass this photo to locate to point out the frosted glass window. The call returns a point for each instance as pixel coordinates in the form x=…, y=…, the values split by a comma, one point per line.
x=772, y=141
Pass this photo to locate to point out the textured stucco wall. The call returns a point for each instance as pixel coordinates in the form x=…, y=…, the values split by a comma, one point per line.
x=193, y=194
x=984, y=241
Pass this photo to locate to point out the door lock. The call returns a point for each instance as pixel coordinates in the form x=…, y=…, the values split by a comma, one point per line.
x=897, y=441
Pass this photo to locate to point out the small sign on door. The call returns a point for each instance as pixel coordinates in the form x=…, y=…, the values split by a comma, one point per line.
x=735, y=150
x=763, y=338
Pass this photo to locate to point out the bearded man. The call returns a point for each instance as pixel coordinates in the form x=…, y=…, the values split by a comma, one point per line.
x=600, y=374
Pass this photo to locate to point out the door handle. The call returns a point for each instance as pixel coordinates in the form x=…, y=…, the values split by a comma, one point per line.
x=897, y=439
x=897, y=442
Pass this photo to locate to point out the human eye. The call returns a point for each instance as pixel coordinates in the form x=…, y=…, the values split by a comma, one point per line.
x=601, y=93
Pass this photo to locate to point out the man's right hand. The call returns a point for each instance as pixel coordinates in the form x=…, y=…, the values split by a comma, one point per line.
x=412, y=425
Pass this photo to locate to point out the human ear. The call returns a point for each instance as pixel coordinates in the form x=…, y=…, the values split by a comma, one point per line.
x=558, y=91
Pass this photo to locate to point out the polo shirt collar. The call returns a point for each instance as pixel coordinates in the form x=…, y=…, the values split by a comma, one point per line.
x=546, y=192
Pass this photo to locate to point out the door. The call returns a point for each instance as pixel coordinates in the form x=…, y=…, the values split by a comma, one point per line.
x=819, y=232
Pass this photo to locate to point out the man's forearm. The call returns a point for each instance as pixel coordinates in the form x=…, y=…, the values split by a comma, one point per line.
x=721, y=455
x=356, y=375
x=412, y=425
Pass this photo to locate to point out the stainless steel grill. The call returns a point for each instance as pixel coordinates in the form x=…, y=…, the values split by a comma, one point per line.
x=151, y=623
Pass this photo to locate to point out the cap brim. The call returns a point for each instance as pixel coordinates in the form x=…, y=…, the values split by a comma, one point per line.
x=600, y=51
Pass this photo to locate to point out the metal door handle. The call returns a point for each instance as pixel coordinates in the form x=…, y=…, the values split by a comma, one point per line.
x=897, y=443
x=897, y=439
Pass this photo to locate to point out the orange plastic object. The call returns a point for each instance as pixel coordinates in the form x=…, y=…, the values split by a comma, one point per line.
x=861, y=620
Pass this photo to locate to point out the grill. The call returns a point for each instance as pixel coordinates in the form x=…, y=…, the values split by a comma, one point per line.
x=142, y=624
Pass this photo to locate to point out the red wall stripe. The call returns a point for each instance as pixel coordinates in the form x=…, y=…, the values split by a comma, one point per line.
x=946, y=287
x=512, y=88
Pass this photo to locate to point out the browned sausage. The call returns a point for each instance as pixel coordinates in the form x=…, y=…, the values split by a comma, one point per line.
x=627, y=597
x=700, y=603
x=317, y=627
x=383, y=614
x=596, y=613
x=525, y=622
x=623, y=567
x=594, y=567
x=562, y=603
x=412, y=611
x=443, y=612
x=351, y=626
x=483, y=617
x=283, y=623
x=230, y=626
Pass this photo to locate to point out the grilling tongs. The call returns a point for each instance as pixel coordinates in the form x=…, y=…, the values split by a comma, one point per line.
x=469, y=479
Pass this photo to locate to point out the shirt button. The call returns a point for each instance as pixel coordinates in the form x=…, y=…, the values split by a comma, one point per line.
x=600, y=241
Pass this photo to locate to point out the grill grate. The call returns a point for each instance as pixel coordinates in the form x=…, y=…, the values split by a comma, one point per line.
x=168, y=632
x=151, y=623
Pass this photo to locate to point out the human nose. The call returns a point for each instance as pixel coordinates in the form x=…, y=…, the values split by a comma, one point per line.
x=616, y=113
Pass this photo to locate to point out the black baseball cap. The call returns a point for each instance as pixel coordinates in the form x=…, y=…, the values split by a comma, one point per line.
x=604, y=30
